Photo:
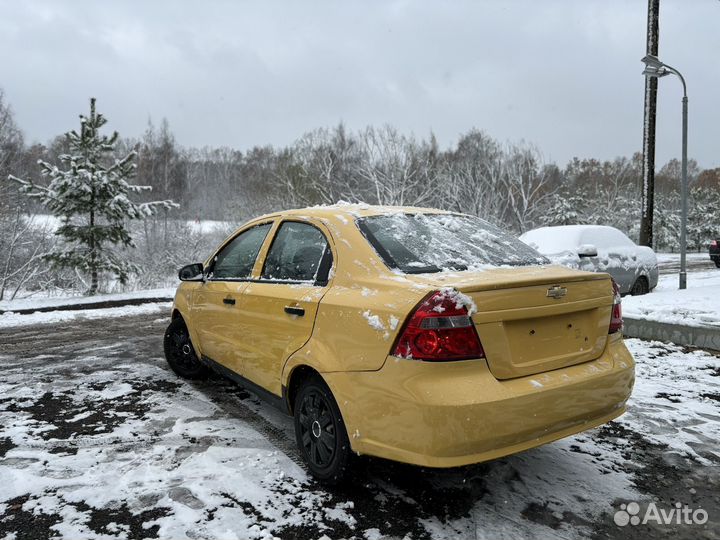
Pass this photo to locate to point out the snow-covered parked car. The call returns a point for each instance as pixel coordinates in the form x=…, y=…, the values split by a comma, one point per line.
x=598, y=248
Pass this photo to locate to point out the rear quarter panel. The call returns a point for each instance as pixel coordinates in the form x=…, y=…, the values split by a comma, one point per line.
x=356, y=326
x=648, y=265
x=362, y=313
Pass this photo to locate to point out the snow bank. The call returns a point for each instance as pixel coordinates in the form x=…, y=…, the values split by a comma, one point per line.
x=203, y=226
x=695, y=306
x=11, y=320
x=44, y=302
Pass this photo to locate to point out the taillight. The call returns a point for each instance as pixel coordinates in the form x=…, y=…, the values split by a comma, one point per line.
x=616, y=321
x=440, y=329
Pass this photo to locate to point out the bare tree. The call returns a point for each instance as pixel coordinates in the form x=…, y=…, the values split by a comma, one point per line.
x=527, y=186
x=475, y=177
x=11, y=149
x=395, y=167
x=24, y=244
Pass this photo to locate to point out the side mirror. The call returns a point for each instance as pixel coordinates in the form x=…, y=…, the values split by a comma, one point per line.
x=587, y=250
x=191, y=272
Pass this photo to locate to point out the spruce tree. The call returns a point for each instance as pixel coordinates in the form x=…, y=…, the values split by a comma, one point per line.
x=90, y=195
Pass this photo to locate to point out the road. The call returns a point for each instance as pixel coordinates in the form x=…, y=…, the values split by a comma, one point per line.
x=669, y=263
x=99, y=439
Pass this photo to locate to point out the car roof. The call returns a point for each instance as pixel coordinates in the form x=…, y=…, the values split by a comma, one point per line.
x=348, y=211
x=560, y=238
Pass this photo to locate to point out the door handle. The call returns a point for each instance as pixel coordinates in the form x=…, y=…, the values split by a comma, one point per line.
x=229, y=301
x=295, y=310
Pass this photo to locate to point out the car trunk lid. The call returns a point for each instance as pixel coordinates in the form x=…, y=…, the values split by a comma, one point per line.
x=535, y=319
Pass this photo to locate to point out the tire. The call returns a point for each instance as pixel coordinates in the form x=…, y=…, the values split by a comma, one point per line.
x=640, y=287
x=717, y=263
x=320, y=432
x=180, y=353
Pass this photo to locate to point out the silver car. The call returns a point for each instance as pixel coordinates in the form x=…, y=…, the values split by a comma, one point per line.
x=598, y=248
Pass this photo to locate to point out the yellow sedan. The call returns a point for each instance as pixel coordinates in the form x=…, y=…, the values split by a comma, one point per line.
x=411, y=334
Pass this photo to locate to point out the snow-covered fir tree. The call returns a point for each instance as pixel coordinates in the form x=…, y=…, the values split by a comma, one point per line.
x=90, y=195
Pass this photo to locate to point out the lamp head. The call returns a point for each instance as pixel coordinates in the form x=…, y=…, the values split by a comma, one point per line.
x=652, y=62
x=654, y=67
x=651, y=71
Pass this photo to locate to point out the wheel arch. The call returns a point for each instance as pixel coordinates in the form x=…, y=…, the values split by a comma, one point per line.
x=182, y=309
x=295, y=377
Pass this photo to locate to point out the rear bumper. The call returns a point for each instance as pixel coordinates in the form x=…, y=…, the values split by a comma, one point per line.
x=453, y=414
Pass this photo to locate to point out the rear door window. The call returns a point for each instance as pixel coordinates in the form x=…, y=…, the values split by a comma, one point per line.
x=296, y=254
x=237, y=258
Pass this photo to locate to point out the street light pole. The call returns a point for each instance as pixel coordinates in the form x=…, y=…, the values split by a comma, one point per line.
x=684, y=194
x=655, y=68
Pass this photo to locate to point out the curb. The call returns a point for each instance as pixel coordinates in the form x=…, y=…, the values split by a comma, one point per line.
x=703, y=337
x=100, y=304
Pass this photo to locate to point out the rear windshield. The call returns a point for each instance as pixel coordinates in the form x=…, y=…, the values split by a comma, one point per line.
x=419, y=243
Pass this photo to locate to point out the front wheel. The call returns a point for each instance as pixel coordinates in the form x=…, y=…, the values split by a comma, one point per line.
x=320, y=432
x=179, y=351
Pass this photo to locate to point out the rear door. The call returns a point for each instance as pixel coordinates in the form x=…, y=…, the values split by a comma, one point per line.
x=278, y=308
x=216, y=301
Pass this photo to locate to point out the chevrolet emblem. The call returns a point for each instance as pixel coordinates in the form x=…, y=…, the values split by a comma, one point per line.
x=556, y=292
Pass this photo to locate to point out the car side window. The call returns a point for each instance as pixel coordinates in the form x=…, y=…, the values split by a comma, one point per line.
x=236, y=260
x=296, y=253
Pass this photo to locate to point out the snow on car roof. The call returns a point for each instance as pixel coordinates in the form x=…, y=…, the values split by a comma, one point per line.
x=343, y=211
x=568, y=237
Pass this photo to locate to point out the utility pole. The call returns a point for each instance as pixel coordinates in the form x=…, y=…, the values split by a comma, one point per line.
x=648, y=164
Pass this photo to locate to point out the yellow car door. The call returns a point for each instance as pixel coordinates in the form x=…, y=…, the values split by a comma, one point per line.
x=216, y=301
x=278, y=309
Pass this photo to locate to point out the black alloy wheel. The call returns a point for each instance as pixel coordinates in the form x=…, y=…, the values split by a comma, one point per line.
x=180, y=353
x=320, y=432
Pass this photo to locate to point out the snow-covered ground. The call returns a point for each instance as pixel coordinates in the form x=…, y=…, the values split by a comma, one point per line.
x=698, y=305
x=14, y=320
x=98, y=439
x=204, y=226
x=37, y=302
x=674, y=258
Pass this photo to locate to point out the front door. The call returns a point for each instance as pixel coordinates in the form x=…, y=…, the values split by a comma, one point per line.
x=278, y=311
x=216, y=302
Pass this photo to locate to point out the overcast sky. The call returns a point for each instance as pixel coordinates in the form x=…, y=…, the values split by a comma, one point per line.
x=564, y=75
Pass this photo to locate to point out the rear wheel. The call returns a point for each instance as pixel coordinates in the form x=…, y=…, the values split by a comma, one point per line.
x=640, y=287
x=179, y=351
x=717, y=262
x=320, y=432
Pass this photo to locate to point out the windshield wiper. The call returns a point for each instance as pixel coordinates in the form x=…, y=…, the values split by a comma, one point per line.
x=454, y=265
x=430, y=269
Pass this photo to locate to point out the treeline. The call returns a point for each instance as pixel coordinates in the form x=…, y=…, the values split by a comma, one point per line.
x=510, y=184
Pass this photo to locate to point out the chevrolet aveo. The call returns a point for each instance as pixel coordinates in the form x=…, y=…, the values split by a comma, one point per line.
x=411, y=334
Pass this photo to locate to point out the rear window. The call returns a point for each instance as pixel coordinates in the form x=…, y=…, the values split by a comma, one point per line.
x=419, y=243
